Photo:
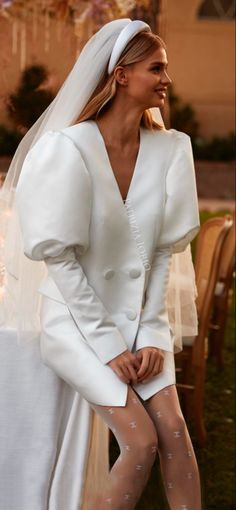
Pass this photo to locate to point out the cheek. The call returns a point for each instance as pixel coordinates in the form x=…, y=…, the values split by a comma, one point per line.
x=141, y=84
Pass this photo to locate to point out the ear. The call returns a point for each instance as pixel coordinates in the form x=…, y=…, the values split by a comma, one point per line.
x=121, y=75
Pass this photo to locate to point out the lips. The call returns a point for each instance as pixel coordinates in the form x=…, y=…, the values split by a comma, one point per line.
x=161, y=92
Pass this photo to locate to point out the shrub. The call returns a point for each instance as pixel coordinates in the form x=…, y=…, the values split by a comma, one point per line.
x=216, y=149
x=9, y=140
x=182, y=115
x=31, y=97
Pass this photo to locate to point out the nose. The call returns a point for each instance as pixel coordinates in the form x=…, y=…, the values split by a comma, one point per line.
x=166, y=80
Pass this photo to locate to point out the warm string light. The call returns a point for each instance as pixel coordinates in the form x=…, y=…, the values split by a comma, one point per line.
x=86, y=19
x=22, y=45
x=14, y=37
x=47, y=31
x=35, y=22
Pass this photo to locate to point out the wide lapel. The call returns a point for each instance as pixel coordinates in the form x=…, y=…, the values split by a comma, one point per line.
x=143, y=206
x=147, y=196
x=136, y=169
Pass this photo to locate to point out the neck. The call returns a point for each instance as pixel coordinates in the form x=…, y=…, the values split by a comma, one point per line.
x=120, y=124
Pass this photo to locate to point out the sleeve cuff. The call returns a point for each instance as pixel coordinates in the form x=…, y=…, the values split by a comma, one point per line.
x=162, y=338
x=108, y=347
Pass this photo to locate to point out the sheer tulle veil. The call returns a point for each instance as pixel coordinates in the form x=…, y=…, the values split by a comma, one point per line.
x=21, y=277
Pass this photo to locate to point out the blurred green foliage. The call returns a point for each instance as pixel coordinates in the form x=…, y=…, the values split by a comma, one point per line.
x=9, y=140
x=183, y=118
x=216, y=149
x=31, y=97
x=182, y=115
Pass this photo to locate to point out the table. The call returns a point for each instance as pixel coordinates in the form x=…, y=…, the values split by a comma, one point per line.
x=45, y=432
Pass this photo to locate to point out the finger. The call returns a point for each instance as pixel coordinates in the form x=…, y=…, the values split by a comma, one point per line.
x=161, y=364
x=137, y=362
x=133, y=374
x=150, y=369
x=121, y=376
x=139, y=355
x=133, y=366
x=144, y=364
x=152, y=362
x=134, y=361
x=157, y=368
x=131, y=358
x=120, y=369
x=125, y=370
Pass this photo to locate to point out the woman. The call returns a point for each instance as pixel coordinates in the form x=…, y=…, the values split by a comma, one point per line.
x=104, y=203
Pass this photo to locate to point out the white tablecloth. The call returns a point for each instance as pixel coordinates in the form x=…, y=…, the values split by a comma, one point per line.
x=44, y=432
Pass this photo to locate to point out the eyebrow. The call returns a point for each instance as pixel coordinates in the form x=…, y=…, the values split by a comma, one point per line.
x=159, y=63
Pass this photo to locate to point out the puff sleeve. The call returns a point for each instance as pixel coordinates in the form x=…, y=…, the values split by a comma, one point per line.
x=181, y=221
x=53, y=198
x=54, y=201
x=180, y=225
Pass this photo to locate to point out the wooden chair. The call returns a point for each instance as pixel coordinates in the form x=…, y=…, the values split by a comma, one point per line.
x=222, y=297
x=191, y=373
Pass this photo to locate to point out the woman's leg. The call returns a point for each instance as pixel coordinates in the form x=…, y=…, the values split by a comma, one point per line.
x=137, y=439
x=178, y=463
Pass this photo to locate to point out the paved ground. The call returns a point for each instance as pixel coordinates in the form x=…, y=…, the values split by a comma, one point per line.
x=215, y=179
x=216, y=205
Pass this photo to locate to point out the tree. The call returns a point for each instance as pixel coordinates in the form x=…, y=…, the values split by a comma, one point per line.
x=182, y=115
x=31, y=97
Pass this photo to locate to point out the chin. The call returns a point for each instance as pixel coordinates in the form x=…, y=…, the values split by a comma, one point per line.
x=156, y=104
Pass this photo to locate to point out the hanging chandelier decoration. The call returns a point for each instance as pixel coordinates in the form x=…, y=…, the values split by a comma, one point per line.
x=70, y=10
x=85, y=16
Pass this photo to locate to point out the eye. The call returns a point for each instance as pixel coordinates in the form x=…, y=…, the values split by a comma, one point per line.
x=156, y=69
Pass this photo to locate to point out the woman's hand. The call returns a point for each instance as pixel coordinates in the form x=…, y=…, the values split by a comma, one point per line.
x=151, y=363
x=126, y=366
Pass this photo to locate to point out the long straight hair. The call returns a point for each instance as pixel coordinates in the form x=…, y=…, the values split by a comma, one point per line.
x=139, y=48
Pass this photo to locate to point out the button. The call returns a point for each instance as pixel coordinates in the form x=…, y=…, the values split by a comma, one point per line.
x=109, y=273
x=131, y=315
x=134, y=273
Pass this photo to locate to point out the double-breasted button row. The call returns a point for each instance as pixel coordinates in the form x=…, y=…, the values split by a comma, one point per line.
x=108, y=273
x=133, y=273
x=131, y=314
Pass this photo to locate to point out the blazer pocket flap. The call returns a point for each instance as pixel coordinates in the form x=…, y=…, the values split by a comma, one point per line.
x=48, y=288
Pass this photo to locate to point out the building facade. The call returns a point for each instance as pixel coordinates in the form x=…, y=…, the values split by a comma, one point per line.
x=200, y=42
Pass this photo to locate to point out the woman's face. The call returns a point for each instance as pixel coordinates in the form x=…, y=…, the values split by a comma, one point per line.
x=148, y=80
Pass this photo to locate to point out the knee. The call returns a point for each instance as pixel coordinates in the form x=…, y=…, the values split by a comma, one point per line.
x=147, y=445
x=175, y=425
x=178, y=423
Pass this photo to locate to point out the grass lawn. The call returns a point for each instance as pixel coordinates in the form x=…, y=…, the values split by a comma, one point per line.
x=217, y=459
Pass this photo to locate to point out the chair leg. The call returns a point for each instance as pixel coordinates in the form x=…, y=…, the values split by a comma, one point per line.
x=198, y=407
x=217, y=336
x=220, y=338
x=213, y=331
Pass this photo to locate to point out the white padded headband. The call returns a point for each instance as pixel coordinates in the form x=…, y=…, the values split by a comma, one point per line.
x=122, y=40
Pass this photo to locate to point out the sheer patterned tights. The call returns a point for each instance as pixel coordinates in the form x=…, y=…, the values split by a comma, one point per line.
x=142, y=429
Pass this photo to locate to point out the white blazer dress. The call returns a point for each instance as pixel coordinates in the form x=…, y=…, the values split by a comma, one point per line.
x=108, y=261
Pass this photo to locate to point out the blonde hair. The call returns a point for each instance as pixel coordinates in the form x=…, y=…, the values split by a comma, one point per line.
x=139, y=48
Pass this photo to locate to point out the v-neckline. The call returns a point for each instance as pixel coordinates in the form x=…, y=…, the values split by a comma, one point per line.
x=136, y=165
